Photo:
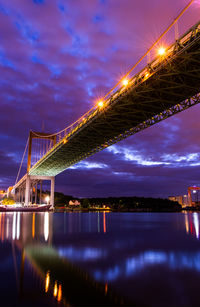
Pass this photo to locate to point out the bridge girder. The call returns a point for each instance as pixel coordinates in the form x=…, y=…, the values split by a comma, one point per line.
x=172, y=87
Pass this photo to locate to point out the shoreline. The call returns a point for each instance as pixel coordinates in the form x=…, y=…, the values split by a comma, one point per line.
x=149, y=210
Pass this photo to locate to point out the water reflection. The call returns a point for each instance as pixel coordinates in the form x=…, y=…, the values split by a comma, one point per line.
x=192, y=224
x=21, y=226
x=46, y=226
x=82, y=254
x=73, y=222
x=134, y=265
x=32, y=234
x=15, y=225
x=47, y=281
x=96, y=258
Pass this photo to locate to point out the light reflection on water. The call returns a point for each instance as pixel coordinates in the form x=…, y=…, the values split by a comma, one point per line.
x=133, y=265
x=114, y=256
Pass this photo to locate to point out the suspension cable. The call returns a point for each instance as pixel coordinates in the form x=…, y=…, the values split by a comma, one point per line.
x=132, y=68
x=22, y=161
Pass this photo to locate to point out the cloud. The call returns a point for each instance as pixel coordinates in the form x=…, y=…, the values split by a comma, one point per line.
x=134, y=156
x=88, y=165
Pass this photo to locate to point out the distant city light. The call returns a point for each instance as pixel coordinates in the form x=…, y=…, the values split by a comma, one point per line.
x=47, y=198
x=194, y=191
x=161, y=51
x=125, y=82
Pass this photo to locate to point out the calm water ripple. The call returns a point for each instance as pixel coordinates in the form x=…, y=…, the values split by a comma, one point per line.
x=99, y=259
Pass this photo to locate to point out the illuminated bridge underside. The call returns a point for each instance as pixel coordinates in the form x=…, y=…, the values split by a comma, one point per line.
x=173, y=86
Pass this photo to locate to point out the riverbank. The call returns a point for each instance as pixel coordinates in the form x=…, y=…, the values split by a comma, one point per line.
x=123, y=204
x=64, y=209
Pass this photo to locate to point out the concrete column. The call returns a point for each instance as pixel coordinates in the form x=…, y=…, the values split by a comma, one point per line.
x=18, y=195
x=22, y=195
x=31, y=190
x=24, y=189
x=36, y=193
x=52, y=191
x=40, y=192
x=27, y=191
x=8, y=192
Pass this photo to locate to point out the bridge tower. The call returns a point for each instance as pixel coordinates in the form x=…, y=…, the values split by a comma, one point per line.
x=33, y=181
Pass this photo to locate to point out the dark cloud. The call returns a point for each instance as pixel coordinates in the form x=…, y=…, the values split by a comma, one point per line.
x=56, y=57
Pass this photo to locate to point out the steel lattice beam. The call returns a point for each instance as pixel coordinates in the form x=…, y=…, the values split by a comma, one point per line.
x=173, y=86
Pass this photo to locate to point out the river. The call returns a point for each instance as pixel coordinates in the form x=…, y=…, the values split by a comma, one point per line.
x=99, y=259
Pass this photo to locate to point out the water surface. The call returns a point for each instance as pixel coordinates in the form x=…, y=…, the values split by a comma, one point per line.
x=100, y=259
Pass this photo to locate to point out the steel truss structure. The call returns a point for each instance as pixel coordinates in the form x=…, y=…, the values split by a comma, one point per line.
x=166, y=86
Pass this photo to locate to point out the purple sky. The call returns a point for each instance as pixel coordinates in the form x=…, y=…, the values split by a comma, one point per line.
x=56, y=57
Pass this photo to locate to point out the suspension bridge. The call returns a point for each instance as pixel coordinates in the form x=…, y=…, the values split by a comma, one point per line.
x=165, y=86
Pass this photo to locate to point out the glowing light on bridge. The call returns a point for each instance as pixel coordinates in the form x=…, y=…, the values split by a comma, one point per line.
x=147, y=74
x=100, y=104
x=125, y=82
x=161, y=51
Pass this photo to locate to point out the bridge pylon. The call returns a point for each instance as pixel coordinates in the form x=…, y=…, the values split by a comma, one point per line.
x=24, y=192
x=37, y=135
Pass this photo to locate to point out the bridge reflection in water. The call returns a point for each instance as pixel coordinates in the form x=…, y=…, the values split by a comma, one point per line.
x=32, y=234
x=79, y=259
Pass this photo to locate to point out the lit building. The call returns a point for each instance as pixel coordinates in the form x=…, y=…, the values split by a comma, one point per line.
x=179, y=199
x=74, y=203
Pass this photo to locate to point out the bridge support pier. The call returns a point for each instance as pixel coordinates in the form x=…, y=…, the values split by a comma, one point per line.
x=40, y=192
x=27, y=190
x=52, y=191
x=30, y=182
x=36, y=193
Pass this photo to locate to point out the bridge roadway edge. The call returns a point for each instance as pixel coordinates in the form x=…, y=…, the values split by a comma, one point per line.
x=167, y=89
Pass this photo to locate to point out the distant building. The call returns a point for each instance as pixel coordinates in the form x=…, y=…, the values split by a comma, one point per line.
x=74, y=203
x=181, y=199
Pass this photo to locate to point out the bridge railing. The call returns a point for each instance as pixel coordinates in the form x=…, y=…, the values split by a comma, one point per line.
x=135, y=79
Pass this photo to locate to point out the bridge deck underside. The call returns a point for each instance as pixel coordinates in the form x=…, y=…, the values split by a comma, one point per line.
x=176, y=80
